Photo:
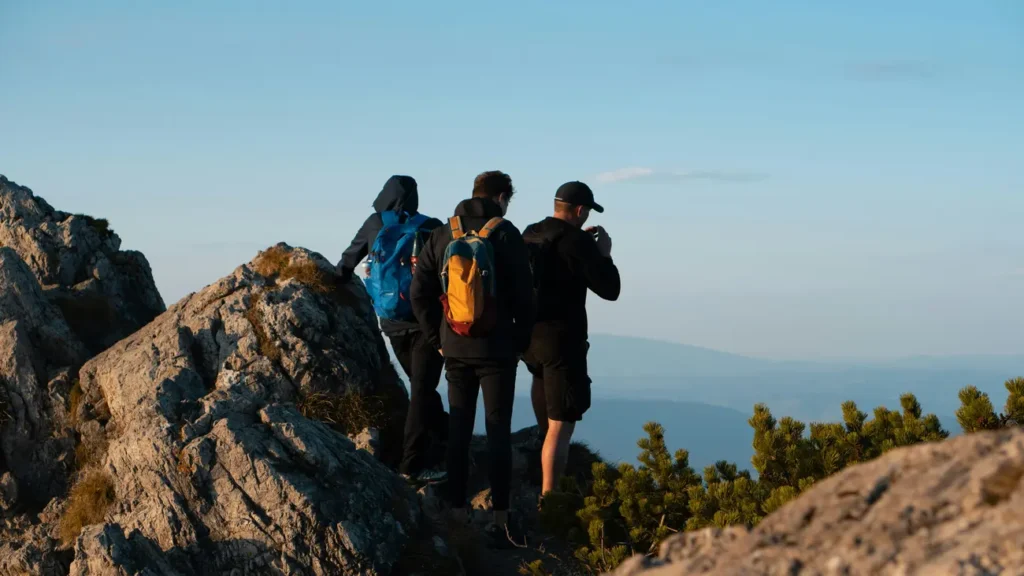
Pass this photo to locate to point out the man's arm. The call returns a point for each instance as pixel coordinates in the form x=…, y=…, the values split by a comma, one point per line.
x=425, y=292
x=525, y=314
x=358, y=249
x=599, y=271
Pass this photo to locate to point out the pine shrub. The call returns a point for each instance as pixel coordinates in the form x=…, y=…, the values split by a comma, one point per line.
x=630, y=509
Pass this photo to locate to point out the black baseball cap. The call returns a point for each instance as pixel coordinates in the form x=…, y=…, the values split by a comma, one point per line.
x=578, y=194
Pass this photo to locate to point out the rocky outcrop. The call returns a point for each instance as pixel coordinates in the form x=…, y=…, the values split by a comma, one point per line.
x=202, y=457
x=38, y=356
x=955, y=507
x=104, y=293
x=28, y=544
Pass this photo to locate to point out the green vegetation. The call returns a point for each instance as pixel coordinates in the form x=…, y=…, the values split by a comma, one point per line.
x=630, y=509
x=976, y=412
x=100, y=225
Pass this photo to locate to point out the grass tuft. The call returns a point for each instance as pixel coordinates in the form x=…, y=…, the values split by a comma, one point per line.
x=74, y=402
x=87, y=504
x=309, y=274
x=270, y=262
x=253, y=315
x=90, y=451
x=350, y=412
x=276, y=264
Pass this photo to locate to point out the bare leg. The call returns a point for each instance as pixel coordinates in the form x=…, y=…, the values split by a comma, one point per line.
x=555, y=455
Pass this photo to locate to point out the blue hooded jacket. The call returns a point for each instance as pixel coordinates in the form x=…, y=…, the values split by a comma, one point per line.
x=399, y=194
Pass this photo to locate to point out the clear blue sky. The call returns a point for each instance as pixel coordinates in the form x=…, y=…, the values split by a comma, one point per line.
x=829, y=179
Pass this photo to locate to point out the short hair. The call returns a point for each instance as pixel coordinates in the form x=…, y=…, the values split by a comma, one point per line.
x=561, y=206
x=493, y=184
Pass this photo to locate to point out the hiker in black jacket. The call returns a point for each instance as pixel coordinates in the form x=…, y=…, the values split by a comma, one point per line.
x=426, y=424
x=568, y=261
x=488, y=362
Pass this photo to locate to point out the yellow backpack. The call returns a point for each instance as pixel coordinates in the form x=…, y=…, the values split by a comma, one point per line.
x=468, y=282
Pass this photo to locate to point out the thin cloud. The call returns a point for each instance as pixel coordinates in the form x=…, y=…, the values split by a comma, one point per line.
x=624, y=174
x=640, y=173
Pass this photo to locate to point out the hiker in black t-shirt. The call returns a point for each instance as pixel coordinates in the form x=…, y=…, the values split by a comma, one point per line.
x=474, y=302
x=567, y=261
x=426, y=424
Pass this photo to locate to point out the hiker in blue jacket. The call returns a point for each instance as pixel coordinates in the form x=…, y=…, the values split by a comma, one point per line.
x=388, y=281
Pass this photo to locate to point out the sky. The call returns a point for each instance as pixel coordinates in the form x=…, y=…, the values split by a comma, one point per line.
x=793, y=180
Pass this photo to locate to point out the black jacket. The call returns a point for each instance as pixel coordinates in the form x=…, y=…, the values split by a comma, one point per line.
x=511, y=335
x=572, y=266
x=399, y=194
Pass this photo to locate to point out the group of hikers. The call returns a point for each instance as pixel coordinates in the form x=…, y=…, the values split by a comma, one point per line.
x=473, y=298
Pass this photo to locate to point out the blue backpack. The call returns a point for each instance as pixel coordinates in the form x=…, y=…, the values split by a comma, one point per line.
x=390, y=262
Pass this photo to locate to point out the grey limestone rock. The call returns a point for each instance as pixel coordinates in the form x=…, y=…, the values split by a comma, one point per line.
x=955, y=507
x=212, y=461
x=105, y=293
x=38, y=353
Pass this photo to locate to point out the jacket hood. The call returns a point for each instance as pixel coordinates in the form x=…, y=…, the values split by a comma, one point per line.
x=478, y=208
x=399, y=193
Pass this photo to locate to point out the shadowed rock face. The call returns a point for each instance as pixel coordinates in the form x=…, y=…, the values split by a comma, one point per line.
x=194, y=421
x=104, y=293
x=955, y=507
x=38, y=357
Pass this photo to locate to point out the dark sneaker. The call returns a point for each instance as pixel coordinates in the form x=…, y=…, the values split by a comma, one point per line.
x=426, y=477
x=505, y=537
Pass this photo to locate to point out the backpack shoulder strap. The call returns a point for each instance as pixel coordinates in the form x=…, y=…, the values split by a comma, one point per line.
x=455, y=223
x=388, y=218
x=417, y=220
x=490, y=226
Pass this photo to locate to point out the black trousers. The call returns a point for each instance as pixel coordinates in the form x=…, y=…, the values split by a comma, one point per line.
x=497, y=378
x=426, y=424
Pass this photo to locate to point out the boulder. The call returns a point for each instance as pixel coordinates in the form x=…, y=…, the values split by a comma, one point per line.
x=104, y=293
x=955, y=507
x=38, y=355
x=28, y=545
x=217, y=439
x=104, y=549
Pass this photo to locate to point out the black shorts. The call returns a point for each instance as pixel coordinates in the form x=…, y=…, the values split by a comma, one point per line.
x=561, y=386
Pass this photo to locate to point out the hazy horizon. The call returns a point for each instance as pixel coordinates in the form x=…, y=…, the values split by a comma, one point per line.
x=783, y=181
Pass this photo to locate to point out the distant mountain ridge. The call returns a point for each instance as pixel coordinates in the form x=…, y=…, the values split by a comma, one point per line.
x=703, y=397
x=649, y=357
x=639, y=368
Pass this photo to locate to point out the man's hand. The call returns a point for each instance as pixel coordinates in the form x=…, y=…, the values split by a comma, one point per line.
x=604, y=241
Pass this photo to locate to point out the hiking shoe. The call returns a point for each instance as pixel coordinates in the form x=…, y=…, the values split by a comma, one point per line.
x=426, y=477
x=505, y=537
